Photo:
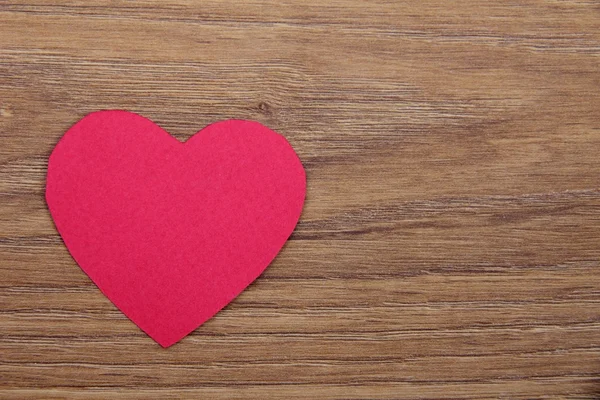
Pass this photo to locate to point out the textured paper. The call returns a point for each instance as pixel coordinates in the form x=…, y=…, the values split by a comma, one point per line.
x=172, y=232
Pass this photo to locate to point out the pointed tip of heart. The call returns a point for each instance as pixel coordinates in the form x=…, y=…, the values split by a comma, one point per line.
x=167, y=343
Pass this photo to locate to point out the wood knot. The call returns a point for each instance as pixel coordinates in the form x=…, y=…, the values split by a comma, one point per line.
x=264, y=108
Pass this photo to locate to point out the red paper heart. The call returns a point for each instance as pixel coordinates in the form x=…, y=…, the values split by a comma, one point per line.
x=172, y=232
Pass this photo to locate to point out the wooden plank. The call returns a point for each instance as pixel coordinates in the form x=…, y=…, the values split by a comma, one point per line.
x=450, y=242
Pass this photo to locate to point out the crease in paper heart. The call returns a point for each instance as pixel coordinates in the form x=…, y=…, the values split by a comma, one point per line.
x=172, y=232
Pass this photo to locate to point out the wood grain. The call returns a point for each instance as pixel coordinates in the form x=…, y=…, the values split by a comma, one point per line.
x=450, y=243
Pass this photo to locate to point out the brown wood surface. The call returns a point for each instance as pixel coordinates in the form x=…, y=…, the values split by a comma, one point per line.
x=450, y=243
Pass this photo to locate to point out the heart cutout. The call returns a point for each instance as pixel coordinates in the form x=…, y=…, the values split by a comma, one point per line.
x=172, y=232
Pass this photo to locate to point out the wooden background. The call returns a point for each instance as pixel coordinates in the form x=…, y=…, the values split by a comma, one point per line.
x=450, y=243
